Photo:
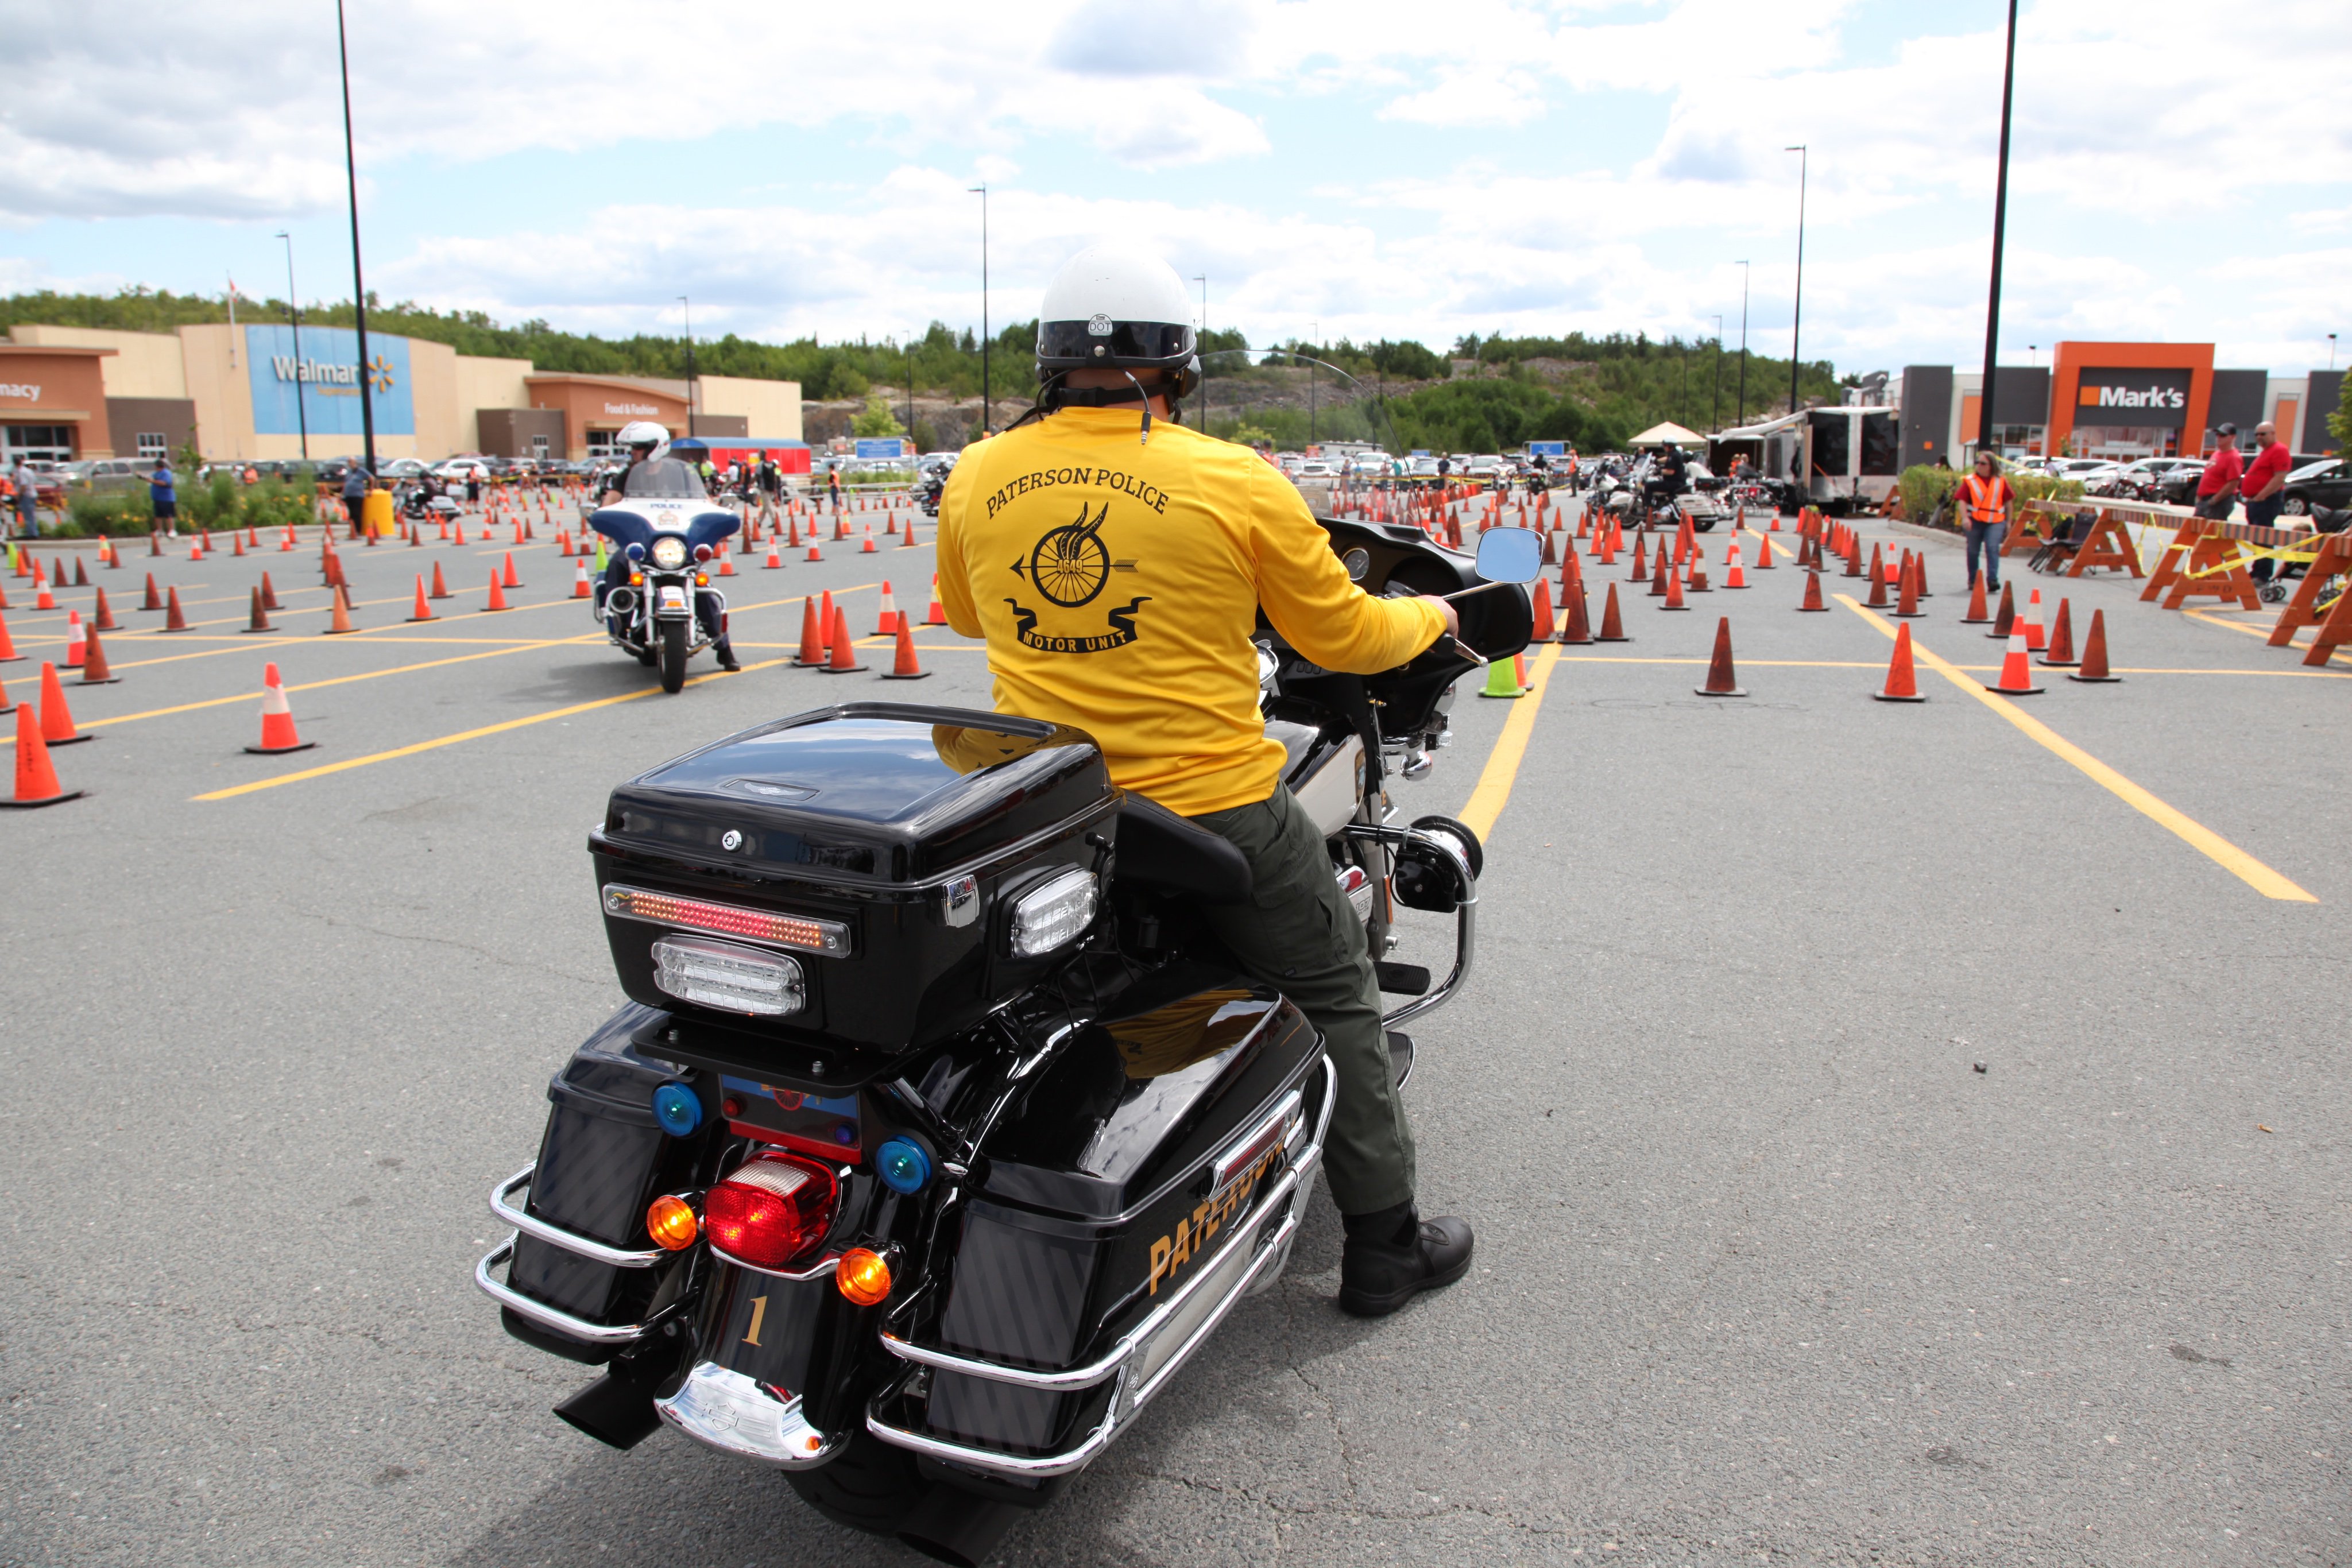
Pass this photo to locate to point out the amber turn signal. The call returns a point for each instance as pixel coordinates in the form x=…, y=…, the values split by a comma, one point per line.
x=864, y=1277
x=672, y=1223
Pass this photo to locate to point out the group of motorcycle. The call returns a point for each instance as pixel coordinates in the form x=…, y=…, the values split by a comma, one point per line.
x=938, y=1135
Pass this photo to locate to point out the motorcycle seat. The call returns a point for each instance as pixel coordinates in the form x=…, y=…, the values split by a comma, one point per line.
x=1164, y=852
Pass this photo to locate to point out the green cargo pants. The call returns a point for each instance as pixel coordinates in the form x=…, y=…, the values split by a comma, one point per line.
x=1299, y=935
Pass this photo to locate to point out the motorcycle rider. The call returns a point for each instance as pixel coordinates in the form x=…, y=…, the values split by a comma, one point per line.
x=1667, y=479
x=1140, y=634
x=649, y=442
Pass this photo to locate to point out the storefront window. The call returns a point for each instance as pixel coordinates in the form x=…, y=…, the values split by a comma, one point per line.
x=2123, y=442
x=151, y=443
x=41, y=443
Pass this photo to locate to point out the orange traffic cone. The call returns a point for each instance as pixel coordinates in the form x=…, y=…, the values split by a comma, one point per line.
x=1612, y=628
x=43, y=599
x=37, y=780
x=7, y=703
x=2016, y=675
x=508, y=579
x=424, y=611
x=73, y=640
x=1902, y=684
x=1544, y=629
x=1720, y=680
x=343, y=615
x=906, y=668
x=1673, y=588
x=2035, y=641
x=845, y=652
x=2007, y=619
x=1764, y=550
x=269, y=594
x=1576, y=623
x=440, y=588
x=726, y=562
x=581, y=587
x=814, y=553
x=259, y=621
x=775, y=554
x=868, y=547
x=1877, y=600
x=2095, y=655
x=237, y=542
x=56, y=719
x=937, y=615
x=94, y=669
x=1978, y=614
x=1641, y=572
x=174, y=620
x=1907, y=602
x=1814, y=594
x=886, y=620
x=2061, y=655
x=1732, y=575
x=277, y=718
x=155, y=598
x=813, y=632
x=102, y=615
x=8, y=654
x=81, y=573
x=498, y=590
x=288, y=542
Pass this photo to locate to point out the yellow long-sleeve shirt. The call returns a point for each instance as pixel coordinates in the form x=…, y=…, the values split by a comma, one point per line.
x=1118, y=586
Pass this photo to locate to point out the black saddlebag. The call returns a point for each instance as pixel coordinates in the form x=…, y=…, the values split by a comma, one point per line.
x=1149, y=1144
x=602, y=1160
x=855, y=856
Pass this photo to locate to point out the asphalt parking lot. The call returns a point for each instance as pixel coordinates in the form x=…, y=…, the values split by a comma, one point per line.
x=1769, y=1271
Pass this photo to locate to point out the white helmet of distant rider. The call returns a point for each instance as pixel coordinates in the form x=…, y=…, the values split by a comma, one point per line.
x=645, y=439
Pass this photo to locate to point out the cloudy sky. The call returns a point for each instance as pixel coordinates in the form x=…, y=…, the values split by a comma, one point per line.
x=1360, y=167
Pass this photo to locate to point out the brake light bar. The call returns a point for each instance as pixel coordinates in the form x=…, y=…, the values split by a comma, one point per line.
x=796, y=931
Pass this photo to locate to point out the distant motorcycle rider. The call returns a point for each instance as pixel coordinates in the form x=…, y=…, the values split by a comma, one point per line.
x=648, y=445
x=1148, y=650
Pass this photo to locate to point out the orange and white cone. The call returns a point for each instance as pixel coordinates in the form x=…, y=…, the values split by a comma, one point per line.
x=2035, y=638
x=43, y=599
x=277, y=718
x=1732, y=575
x=74, y=644
x=2016, y=674
x=37, y=780
x=581, y=587
x=775, y=553
x=937, y=615
x=726, y=562
x=885, y=619
x=868, y=547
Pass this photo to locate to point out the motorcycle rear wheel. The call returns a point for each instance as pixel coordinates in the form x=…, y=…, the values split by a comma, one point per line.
x=868, y=1486
x=673, y=655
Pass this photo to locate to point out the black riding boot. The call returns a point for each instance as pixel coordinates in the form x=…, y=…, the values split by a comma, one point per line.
x=1393, y=1254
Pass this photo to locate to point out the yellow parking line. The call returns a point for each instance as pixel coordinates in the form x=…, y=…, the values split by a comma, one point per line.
x=488, y=729
x=2263, y=631
x=1494, y=788
x=2197, y=836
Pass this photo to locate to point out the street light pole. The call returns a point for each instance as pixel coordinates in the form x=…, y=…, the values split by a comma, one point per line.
x=982, y=190
x=1797, y=321
x=358, y=284
x=687, y=306
x=294, y=315
x=1715, y=416
x=1311, y=383
x=1999, y=224
x=1740, y=416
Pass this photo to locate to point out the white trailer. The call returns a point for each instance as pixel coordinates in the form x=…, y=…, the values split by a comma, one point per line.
x=1838, y=459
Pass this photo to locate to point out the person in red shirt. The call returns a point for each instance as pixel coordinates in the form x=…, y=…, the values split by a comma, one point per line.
x=2217, y=487
x=2265, y=476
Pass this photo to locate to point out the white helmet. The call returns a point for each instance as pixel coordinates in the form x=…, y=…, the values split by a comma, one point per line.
x=1116, y=306
x=645, y=432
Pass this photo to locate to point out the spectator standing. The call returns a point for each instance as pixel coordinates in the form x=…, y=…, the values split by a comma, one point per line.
x=833, y=484
x=1988, y=504
x=28, y=498
x=2217, y=487
x=472, y=487
x=356, y=486
x=163, y=497
x=2265, y=476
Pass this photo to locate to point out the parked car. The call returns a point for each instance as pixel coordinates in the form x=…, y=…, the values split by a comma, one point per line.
x=2323, y=486
x=2177, y=485
x=461, y=468
x=1315, y=468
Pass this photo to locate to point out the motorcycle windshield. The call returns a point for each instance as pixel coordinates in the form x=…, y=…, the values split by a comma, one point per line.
x=666, y=480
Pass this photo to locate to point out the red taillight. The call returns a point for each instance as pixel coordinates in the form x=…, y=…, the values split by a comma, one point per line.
x=771, y=1211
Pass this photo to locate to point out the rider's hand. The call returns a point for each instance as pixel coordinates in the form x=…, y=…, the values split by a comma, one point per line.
x=1453, y=622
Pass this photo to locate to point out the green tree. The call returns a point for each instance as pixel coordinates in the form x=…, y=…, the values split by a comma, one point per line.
x=877, y=418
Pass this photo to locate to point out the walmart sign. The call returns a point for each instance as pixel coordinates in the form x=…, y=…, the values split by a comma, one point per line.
x=322, y=383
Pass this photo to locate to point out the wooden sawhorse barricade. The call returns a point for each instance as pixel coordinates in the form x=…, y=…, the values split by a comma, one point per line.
x=2203, y=561
x=2314, y=604
x=2107, y=544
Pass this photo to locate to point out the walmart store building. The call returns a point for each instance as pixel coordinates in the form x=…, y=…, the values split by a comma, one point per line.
x=246, y=392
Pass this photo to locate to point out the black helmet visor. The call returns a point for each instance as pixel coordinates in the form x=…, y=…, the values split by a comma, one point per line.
x=1072, y=343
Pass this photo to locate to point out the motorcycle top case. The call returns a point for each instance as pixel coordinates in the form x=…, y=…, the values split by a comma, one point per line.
x=872, y=845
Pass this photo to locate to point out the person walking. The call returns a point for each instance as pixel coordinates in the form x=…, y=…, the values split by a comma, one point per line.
x=2217, y=487
x=28, y=498
x=356, y=484
x=2265, y=477
x=833, y=484
x=163, y=497
x=1990, y=505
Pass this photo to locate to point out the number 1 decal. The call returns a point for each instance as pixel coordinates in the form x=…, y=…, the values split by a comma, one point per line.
x=759, y=1311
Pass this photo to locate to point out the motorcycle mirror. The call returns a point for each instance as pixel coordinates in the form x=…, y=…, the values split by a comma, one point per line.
x=1510, y=555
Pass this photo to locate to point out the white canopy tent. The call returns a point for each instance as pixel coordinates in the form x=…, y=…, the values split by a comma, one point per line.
x=1669, y=434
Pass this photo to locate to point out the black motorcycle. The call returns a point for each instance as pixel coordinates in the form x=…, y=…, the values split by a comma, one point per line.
x=938, y=1134
x=926, y=493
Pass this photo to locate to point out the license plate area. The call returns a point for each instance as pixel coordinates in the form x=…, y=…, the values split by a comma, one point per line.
x=824, y=1125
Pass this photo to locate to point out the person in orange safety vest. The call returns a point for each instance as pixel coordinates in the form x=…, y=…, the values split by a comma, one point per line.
x=1988, y=505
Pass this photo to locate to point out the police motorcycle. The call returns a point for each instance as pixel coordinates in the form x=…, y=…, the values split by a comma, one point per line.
x=934, y=485
x=937, y=1135
x=665, y=528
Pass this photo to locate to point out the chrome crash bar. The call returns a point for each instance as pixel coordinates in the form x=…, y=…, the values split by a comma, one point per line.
x=539, y=1311
x=1466, y=916
x=1187, y=1317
